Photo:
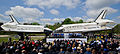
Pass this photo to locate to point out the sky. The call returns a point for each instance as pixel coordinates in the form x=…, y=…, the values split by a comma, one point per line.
x=52, y=11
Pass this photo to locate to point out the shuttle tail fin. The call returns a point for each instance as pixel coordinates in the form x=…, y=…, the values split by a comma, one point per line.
x=101, y=15
x=13, y=19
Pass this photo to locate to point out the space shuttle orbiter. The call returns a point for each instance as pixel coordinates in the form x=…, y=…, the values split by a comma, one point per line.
x=100, y=23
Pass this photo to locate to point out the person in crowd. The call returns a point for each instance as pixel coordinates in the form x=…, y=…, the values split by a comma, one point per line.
x=105, y=46
x=61, y=51
x=88, y=51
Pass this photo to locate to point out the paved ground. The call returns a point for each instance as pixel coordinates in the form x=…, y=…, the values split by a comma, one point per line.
x=9, y=36
x=37, y=36
x=16, y=38
x=4, y=35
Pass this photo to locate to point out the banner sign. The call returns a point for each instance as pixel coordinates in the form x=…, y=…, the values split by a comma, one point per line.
x=52, y=39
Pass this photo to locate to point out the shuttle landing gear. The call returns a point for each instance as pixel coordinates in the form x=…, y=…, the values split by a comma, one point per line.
x=47, y=33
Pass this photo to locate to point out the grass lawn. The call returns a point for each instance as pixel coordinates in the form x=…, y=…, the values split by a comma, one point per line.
x=5, y=39
x=37, y=38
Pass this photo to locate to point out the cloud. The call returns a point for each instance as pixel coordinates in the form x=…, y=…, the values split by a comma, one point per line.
x=75, y=18
x=95, y=13
x=96, y=4
x=58, y=19
x=94, y=7
x=30, y=20
x=53, y=3
x=47, y=24
x=3, y=18
x=90, y=20
x=118, y=17
x=117, y=20
x=55, y=20
x=45, y=20
x=23, y=12
x=54, y=12
x=52, y=20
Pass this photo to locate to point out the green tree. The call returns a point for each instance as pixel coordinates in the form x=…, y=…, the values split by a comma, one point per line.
x=27, y=23
x=68, y=21
x=80, y=21
x=35, y=23
x=46, y=25
x=116, y=29
x=55, y=26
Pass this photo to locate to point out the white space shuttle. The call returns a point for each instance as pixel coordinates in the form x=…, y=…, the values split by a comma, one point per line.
x=15, y=26
x=97, y=25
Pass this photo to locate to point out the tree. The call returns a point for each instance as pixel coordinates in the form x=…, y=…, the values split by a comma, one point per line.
x=53, y=27
x=68, y=21
x=35, y=23
x=46, y=25
x=27, y=23
x=80, y=21
x=116, y=29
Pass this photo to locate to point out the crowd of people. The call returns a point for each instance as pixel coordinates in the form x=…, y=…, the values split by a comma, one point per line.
x=108, y=46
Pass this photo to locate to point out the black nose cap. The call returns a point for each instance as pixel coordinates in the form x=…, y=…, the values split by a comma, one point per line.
x=0, y=26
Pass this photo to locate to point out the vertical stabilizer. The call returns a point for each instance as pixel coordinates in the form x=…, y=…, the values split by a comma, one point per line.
x=13, y=19
x=101, y=15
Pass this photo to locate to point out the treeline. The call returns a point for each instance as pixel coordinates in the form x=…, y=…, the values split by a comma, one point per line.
x=34, y=23
x=116, y=29
x=66, y=21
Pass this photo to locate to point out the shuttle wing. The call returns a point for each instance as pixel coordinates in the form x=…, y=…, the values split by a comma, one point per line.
x=13, y=19
x=101, y=16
